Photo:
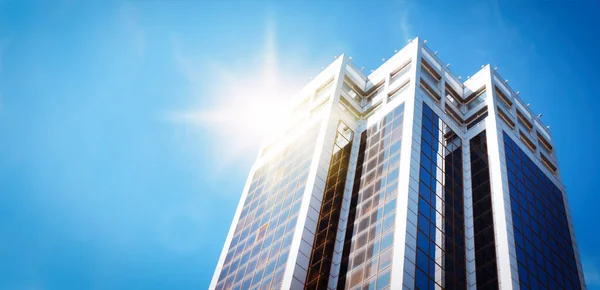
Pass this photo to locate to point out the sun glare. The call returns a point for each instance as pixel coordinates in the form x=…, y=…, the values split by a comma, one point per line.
x=250, y=102
x=257, y=111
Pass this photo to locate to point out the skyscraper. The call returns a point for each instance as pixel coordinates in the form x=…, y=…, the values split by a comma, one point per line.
x=404, y=178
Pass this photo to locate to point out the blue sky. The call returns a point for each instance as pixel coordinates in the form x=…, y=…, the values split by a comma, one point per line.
x=125, y=142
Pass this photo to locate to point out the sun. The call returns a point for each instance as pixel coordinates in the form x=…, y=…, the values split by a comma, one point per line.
x=246, y=101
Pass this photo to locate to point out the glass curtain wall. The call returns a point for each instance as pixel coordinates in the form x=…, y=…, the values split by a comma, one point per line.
x=440, y=261
x=486, y=269
x=259, y=249
x=370, y=249
x=329, y=215
x=545, y=255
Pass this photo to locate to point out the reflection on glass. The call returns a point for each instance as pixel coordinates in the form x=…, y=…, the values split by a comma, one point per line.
x=440, y=222
x=478, y=100
x=351, y=92
x=486, y=269
x=261, y=240
x=371, y=214
x=432, y=80
x=324, y=242
x=400, y=74
x=545, y=255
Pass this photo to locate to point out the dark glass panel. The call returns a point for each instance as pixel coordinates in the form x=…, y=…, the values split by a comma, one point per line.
x=542, y=237
x=485, y=247
x=440, y=201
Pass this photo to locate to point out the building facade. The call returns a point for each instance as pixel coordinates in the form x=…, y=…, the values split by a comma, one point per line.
x=406, y=178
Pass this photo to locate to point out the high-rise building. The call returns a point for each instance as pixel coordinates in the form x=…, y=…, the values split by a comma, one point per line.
x=406, y=178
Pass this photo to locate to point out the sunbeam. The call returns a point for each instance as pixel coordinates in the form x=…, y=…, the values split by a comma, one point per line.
x=249, y=106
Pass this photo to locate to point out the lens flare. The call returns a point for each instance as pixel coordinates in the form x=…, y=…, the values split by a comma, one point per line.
x=249, y=103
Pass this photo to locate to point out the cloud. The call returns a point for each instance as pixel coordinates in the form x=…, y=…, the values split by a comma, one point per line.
x=404, y=24
x=399, y=20
x=3, y=46
x=511, y=32
x=591, y=273
x=63, y=8
x=129, y=20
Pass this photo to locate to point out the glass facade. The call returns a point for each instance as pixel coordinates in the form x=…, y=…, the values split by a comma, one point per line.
x=323, y=246
x=440, y=260
x=352, y=212
x=259, y=248
x=368, y=261
x=261, y=241
x=478, y=100
x=448, y=156
x=486, y=269
x=545, y=255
